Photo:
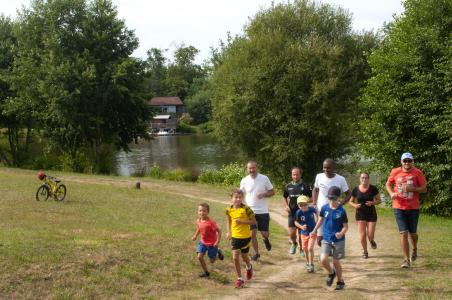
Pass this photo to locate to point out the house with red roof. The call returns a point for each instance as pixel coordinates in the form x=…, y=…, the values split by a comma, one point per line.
x=169, y=109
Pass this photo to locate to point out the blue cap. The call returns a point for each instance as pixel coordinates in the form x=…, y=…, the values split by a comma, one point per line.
x=334, y=192
x=407, y=155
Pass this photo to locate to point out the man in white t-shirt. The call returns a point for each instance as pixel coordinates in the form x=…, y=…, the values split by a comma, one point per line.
x=323, y=181
x=257, y=189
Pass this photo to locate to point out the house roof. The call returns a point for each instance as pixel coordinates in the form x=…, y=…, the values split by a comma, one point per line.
x=162, y=117
x=157, y=101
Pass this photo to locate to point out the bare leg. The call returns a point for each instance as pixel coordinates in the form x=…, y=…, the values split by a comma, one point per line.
x=236, y=259
x=246, y=259
x=326, y=263
x=362, y=234
x=254, y=241
x=414, y=237
x=405, y=245
x=371, y=230
x=293, y=234
x=265, y=234
x=338, y=268
x=202, y=261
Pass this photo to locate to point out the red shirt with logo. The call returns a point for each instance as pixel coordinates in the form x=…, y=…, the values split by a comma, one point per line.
x=208, y=230
x=400, y=178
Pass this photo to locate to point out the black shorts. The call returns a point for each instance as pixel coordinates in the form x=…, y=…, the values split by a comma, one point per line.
x=262, y=222
x=241, y=244
x=291, y=220
x=368, y=214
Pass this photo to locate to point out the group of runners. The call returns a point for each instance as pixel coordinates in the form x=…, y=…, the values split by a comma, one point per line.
x=315, y=216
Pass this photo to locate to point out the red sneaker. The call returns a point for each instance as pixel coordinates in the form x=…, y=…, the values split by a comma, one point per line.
x=239, y=283
x=249, y=273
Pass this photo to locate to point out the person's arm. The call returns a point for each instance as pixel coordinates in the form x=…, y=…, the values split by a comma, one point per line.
x=377, y=199
x=341, y=233
x=347, y=197
x=228, y=233
x=419, y=189
x=195, y=236
x=315, y=195
x=286, y=204
x=317, y=225
x=217, y=242
x=353, y=202
x=250, y=221
x=266, y=194
x=298, y=225
x=390, y=190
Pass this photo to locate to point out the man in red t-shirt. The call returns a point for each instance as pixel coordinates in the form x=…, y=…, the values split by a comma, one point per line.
x=404, y=185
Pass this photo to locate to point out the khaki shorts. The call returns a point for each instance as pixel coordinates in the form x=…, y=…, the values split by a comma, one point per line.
x=336, y=248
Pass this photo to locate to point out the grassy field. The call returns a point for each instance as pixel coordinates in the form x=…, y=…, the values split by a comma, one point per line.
x=112, y=241
x=101, y=242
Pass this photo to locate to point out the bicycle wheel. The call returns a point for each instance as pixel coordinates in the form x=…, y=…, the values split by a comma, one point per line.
x=60, y=192
x=42, y=193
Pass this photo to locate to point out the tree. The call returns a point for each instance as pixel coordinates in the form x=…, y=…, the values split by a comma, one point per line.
x=73, y=65
x=407, y=102
x=15, y=117
x=285, y=91
x=156, y=71
x=182, y=72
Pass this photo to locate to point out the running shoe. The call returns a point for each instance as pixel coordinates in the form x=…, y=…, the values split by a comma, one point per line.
x=340, y=285
x=405, y=264
x=414, y=255
x=293, y=249
x=365, y=254
x=268, y=246
x=249, y=273
x=330, y=279
x=255, y=257
x=239, y=283
x=204, y=274
x=302, y=253
x=311, y=269
x=220, y=254
x=373, y=244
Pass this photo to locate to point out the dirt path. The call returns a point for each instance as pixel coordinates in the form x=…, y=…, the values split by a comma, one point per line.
x=373, y=278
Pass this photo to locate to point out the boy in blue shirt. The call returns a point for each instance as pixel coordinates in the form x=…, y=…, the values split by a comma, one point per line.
x=305, y=219
x=335, y=225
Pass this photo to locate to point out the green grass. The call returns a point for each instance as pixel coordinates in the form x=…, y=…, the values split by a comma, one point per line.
x=103, y=241
x=109, y=241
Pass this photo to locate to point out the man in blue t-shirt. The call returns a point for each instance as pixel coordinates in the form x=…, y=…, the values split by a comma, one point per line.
x=335, y=225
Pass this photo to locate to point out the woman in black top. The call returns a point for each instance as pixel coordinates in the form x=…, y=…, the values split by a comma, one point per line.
x=364, y=198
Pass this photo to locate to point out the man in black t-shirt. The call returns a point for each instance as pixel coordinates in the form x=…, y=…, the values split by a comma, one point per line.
x=291, y=192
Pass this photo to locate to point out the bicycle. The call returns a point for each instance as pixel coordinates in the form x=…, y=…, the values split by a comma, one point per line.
x=51, y=187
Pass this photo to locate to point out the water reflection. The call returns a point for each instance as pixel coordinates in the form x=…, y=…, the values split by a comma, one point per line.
x=191, y=152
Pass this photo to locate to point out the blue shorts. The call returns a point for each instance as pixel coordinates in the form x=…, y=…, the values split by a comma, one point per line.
x=406, y=219
x=262, y=222
x=211, y=250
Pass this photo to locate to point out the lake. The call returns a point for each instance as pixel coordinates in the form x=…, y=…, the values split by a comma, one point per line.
x=191, y=152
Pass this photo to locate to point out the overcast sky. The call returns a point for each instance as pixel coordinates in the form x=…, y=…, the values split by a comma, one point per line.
x=166, y=24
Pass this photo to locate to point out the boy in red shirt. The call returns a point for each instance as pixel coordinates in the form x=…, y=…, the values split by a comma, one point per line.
x=210, y=238
x=404, y=185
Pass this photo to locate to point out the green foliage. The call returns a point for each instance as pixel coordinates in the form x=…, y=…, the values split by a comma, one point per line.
x=73, y=73
x=229, y=175
x=407, y=103
x=155, y=171
x=186, y=119
x=285, y=91
x=184, y=128
x=178, y=175
x=206, y=127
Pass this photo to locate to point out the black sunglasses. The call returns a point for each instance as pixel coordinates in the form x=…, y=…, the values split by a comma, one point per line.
x=407, y=160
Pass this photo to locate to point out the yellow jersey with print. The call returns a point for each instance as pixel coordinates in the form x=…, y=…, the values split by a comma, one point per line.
x=244, y=213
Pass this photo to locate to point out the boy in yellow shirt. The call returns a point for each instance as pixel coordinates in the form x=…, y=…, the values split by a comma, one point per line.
x=240, y=217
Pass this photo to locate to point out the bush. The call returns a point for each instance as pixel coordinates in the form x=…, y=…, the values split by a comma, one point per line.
x=229, y=175
x=184, y=128
x=178, y=175
x=155, y=171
